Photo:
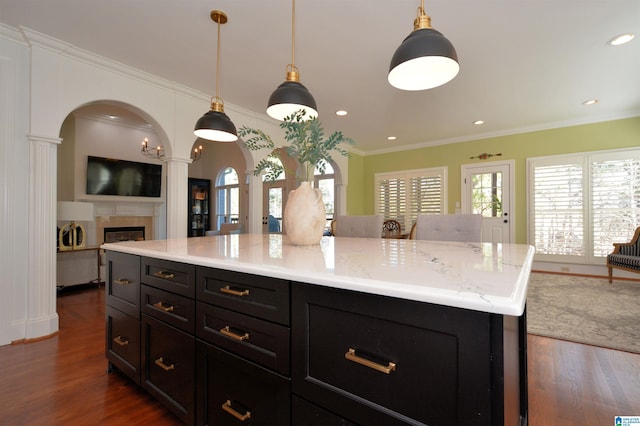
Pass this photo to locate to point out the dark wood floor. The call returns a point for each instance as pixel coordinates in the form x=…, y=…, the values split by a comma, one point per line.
x=63, y=379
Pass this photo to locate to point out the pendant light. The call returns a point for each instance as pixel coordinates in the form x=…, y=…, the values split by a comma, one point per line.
x=291, y=96
x=215, y=125
x=425, y=59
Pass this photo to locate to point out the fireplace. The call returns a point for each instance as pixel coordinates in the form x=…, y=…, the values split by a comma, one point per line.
x=123, y=233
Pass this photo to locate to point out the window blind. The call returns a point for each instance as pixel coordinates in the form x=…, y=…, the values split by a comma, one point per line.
x=404, y=195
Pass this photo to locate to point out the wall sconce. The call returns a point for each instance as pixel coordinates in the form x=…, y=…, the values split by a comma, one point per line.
x=73, y=236
x=157, y=153
x=485, y=156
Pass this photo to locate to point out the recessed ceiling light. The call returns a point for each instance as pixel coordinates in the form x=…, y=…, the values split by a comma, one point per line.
x=391, y=138
x=621, y=39
x=478, y=122
x=590, y=102
x=113, y=117
x=341, y=112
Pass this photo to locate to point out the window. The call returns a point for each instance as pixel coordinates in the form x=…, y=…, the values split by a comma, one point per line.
x=486, y=194
x=227, y=197
x=274, y=198
x=325, y=182
x=581, y=204
x=404, y=195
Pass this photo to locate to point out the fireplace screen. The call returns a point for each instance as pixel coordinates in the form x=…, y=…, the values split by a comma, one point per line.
x=126, y=233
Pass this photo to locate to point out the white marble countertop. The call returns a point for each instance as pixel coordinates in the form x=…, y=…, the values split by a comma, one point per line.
x=479, y=276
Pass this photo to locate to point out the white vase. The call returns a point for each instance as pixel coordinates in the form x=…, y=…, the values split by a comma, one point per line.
x=304, y=216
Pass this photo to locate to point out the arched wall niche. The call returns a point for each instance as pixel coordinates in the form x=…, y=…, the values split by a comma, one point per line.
x=111, y=129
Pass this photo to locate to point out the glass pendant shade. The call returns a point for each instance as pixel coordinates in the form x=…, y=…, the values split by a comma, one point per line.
x=289, y=97
x=216, y=126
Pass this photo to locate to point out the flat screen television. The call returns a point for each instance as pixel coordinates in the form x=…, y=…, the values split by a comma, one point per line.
x=108, y=176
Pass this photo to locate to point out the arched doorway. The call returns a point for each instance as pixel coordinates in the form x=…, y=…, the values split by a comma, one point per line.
x=108, y=135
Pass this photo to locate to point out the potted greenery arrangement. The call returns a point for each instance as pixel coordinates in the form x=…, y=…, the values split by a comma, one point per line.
x=304, y=215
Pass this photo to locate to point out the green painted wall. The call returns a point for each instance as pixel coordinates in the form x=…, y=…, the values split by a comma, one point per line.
x=355, y=190
x=589, y=137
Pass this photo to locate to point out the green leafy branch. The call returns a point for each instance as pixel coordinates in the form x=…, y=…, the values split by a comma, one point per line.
x=306, y=142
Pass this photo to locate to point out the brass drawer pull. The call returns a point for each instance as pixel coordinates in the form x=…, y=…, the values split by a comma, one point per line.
x=387, y=369
x=119, y=340
x=122, y=281
x=229, y=290
x=242, y=417
x=227, y=332
x=160, y=363
x=164, y=274
x=162, y=307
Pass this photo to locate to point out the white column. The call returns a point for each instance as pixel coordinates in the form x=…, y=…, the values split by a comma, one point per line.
x=42, y=318
x=255, y=203
x=177, y=197
x=341, y=200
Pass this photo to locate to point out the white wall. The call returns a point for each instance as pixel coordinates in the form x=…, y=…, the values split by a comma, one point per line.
x=14, y=184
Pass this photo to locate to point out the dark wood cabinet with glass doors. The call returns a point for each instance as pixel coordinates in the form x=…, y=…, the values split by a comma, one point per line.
x=199, y=191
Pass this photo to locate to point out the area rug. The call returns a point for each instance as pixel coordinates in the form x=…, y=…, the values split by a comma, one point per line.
x=585, y=310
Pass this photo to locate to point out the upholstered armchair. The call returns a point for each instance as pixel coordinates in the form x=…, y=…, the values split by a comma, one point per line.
x=448, y=227
x=368, y=226
x=625, y=256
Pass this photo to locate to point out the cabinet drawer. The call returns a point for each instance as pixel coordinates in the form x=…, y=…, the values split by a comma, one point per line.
x=168, y=367
x=257, y=340
x=392, y=361
x=230, y=389
x=123, y=282
x=258, y=296
x=171, y=308
x=123, y=342
x=171, y=276
x=304, y=413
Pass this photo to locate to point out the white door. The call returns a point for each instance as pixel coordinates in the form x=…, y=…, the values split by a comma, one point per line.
x=487, y=190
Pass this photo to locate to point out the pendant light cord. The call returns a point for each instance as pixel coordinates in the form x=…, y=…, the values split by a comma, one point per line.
x=293, y=34
x=218, y=63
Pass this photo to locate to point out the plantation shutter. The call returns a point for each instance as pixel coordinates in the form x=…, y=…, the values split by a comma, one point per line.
x=404, y=195
x=392, y=198
x=559, y=209
x=615, y=199
x=426, y=196
x=580, y=204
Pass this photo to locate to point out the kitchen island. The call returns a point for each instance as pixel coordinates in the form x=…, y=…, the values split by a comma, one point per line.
x=351, y=331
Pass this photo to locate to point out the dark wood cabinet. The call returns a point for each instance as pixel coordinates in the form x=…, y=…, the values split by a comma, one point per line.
x=168, y=334
x=199, y=218
x=233, y=391
x=243, y=348
x=123, y=283
x=219, y=347
x=122, y=331
x=168, y=371
x=123, y=343
x=380, y=360
x=304, y=413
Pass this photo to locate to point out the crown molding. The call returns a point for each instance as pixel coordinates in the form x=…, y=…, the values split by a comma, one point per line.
x=36, y=39
x=507, y=132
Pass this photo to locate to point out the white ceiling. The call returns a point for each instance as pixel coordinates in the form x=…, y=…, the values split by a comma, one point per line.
x=525, y=64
